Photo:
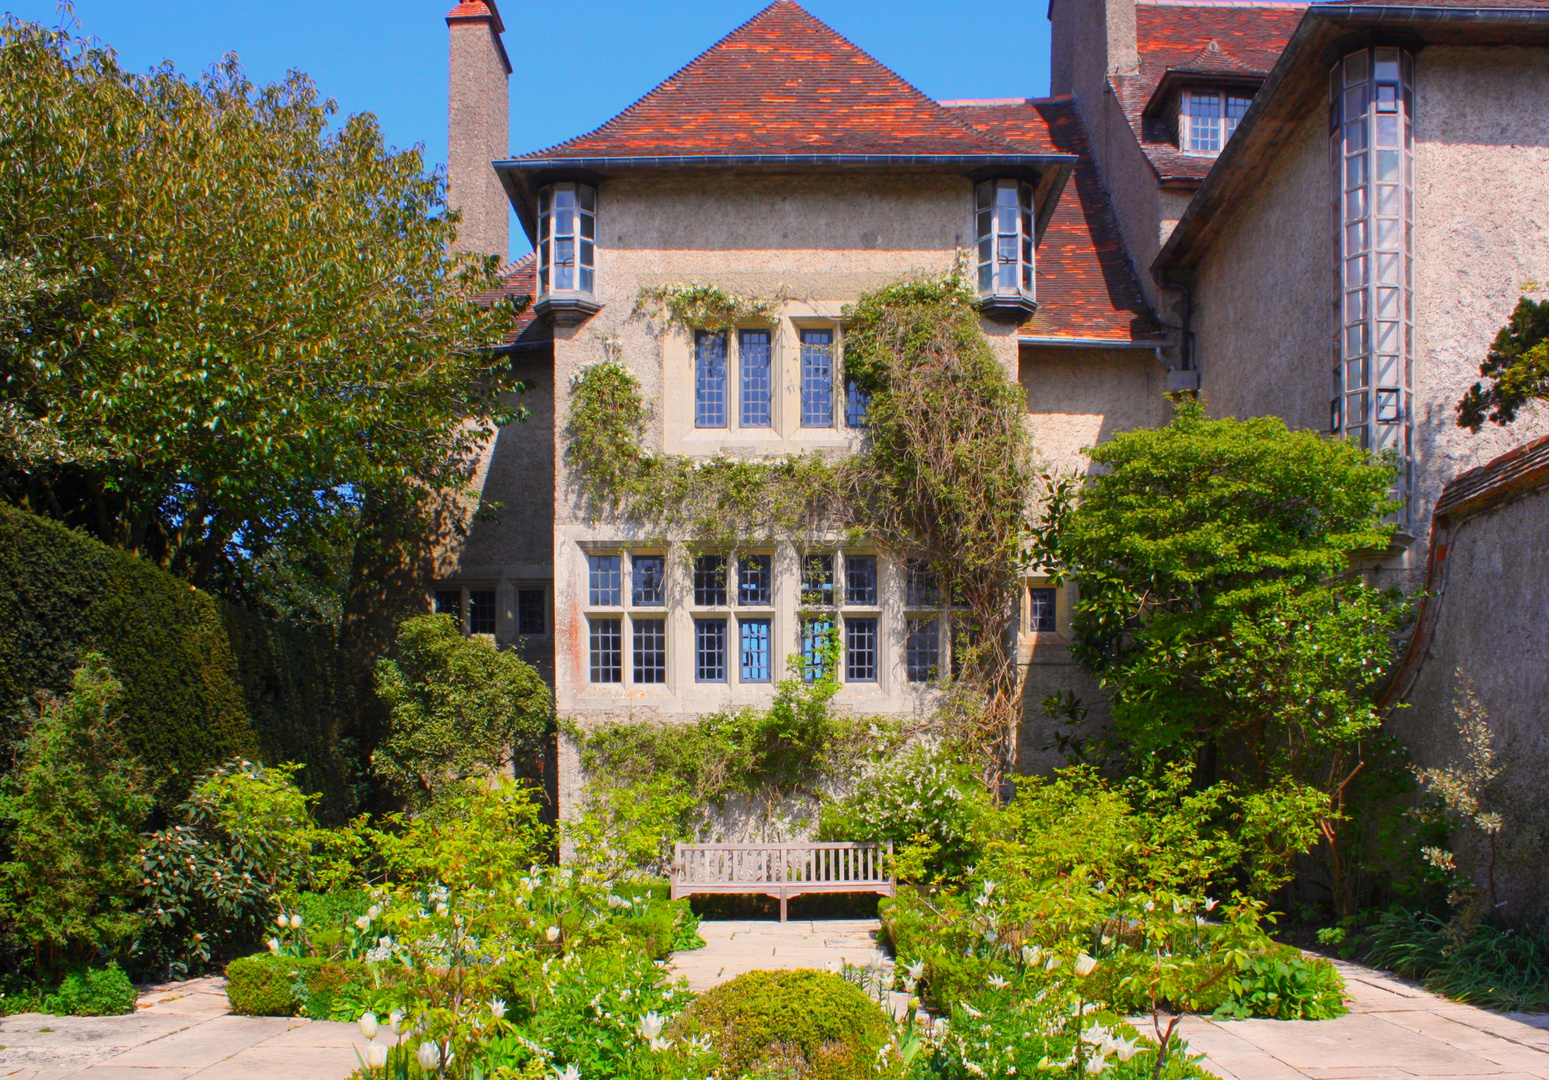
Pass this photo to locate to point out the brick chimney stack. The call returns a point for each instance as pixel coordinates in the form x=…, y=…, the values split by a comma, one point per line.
x=478, y=127
x=1092, y=39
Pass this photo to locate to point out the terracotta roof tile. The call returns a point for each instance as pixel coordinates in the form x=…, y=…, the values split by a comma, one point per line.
x=519, y=280
x=1086, y=283
x=782, y=83
x=1177, y=35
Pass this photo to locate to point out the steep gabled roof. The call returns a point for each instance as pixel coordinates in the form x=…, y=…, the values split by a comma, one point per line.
x=1177, y=36
x=781, y=83
x=1087, y=289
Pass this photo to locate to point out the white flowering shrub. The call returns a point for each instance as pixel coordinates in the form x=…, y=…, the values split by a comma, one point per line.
x=924, y=800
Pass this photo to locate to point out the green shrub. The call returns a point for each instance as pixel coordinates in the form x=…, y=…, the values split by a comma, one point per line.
x=93, y=992
x=1478, y=963
x=1282, y=984
x=805, y=1022
x=70, y=815
x=269, y=985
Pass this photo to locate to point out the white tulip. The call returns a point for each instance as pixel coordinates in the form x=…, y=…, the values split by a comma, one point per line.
x=614, y=901
x=570, y=1073
x=395, y=1021
x=1150, y=905
x=281, y=921
x=363, y=923
x=442, y=909
x=497, y=1009
x=274, y=945
x=376, y=1055
x=1051, y=963
x=368, y=1025
x=552, y=933
x=1032, y=955
x=373, y=912
x=651, y=1025
x=1084, y=965
x=916, y=970
x=997, y=982
x=1210, y=905
x=295, y=922
x=428, y=1055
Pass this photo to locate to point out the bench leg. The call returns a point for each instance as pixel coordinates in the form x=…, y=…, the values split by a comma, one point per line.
x=782, y=905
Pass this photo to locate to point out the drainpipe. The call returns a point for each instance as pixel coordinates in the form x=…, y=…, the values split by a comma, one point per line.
x=1185, y=377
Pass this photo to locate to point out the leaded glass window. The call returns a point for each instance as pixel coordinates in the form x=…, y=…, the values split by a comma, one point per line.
x=710, y=581
x=650, y=650
x=605, y=580
x=531, y=611
x=1040, y=610
x=1209, y=119
x=817, y=580
x=753, y=362
x=607, y=651
x=817, y=378
x=709, y=380
x=567, y=239
x=860, y=650
x=815, y=633
x=922, y=650
x=650, y=581
x=754, y=665
x=920, y=588
x=753, y=580
x=709, y=650
x=450, y=602
x=481, y=611
x=1371, y=168
x=860, y=580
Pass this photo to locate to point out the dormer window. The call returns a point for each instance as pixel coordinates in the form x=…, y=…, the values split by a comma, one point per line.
x=567, y=252
x=1208, y=118
x=1003, y=225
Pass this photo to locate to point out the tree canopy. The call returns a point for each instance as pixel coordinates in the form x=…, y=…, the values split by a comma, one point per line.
x=1518, y=363
x=224, y=317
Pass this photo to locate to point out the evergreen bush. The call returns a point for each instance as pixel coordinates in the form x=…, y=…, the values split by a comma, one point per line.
x=93, y=992
x=803, y=1022
x=266, y=985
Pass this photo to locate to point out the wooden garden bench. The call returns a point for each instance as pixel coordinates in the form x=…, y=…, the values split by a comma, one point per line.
x=782, y=870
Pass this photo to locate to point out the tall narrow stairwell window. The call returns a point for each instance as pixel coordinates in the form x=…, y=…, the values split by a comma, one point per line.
x=567, y=252
x=1371, y=166
x=817, y=378
x=709, y=380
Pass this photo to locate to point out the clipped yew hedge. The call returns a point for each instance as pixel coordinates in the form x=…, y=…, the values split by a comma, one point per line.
x=203, y=683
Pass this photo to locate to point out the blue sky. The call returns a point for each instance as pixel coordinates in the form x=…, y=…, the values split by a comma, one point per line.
x=573, y=72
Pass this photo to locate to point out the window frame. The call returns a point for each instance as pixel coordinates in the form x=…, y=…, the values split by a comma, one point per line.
x=1224, y=122
x=711, y=413
x=702, y=624
x=593, y=624
x=993, y=241
x=743, y=624
x=656, y=651
x=583, y=275
x=852, y=625
x=521, y=611
x=809, y=413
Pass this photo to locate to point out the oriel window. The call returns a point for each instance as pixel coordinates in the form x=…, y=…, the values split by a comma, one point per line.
x=567, y=239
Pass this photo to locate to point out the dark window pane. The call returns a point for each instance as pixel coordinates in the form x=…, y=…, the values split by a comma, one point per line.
x=650, y=650
x=755, y=650
x=481, y=611
x=860, y=650
x=815, y=634
x=817, y=580
x=860, y=579
x=607, y=651
x=753, y=580
x=710, y=650
x=817, y=378
x=856, y=404
x=531, y=612
x=650, y=580
x=754, y=358
x=710, y=581
x=709, y=380
x=922, y=650
x=604, y=580
x=1041, y=610
x=450, y=602
x=920, y=589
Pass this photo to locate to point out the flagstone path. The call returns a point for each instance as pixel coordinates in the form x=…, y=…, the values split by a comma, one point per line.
x=734, y=947
x=177, y=1031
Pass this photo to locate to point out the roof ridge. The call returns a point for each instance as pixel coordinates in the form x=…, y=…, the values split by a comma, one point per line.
x=1226, y=3
x=1211, y=54
x=756, y=49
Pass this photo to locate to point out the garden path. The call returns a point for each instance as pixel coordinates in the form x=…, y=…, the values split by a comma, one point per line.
x=1395, y=1030
x=177, y=1031
x=733, y=947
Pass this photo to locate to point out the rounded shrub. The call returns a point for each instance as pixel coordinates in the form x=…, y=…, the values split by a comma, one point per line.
x=265, y=984
x=801, y=1025
x=93, y=992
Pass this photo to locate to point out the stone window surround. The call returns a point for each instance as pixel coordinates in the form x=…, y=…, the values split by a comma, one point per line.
x=785, y=613
x=1227, y=100
x=506, y=615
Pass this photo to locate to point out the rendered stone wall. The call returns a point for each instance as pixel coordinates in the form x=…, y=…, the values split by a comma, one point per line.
x=477, y=134
x=1494, y=628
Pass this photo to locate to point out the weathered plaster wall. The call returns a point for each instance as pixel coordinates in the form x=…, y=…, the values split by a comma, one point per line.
x=1481, y=230
x=1494, y=626
x=821, y=241
x=1261, y=298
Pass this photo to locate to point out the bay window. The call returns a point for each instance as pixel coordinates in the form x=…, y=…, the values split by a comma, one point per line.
x=567, y=251
x=1003, y=229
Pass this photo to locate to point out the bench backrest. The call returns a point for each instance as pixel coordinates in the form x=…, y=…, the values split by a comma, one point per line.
x=760, y=864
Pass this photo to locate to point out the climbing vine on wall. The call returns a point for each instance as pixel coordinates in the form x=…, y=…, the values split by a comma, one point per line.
x=945, y=477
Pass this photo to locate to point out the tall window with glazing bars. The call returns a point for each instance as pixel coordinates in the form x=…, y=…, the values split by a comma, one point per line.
x=1371, y=160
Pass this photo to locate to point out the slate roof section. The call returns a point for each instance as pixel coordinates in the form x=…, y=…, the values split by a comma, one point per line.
x=1087, y=287
x=781, y=83
x=1176, y=35
x=519, y=281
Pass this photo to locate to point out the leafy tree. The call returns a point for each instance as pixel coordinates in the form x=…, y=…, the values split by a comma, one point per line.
x=70, y=812
x=223, y=324
x=461, y=708
x=1218, y=603
x=1518, y=361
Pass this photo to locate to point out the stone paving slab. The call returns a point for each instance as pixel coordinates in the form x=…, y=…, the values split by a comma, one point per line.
x=735, y=947
x=178, y=1031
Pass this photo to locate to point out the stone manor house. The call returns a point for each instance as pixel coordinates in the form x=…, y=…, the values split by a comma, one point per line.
x=1319, y=212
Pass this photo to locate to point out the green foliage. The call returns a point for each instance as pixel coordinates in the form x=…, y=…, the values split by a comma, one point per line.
x=1518, y=362
x=70, y=815
x=461, y=709
x=1479, y=963
x=783, y=1023
x=268, y=985
x=93, y=992
x=186, y=662
x=1282, y=984
x=695, y=306
x=242, y=316
x=466, y=841
x=925, y=800
x=213, y=882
